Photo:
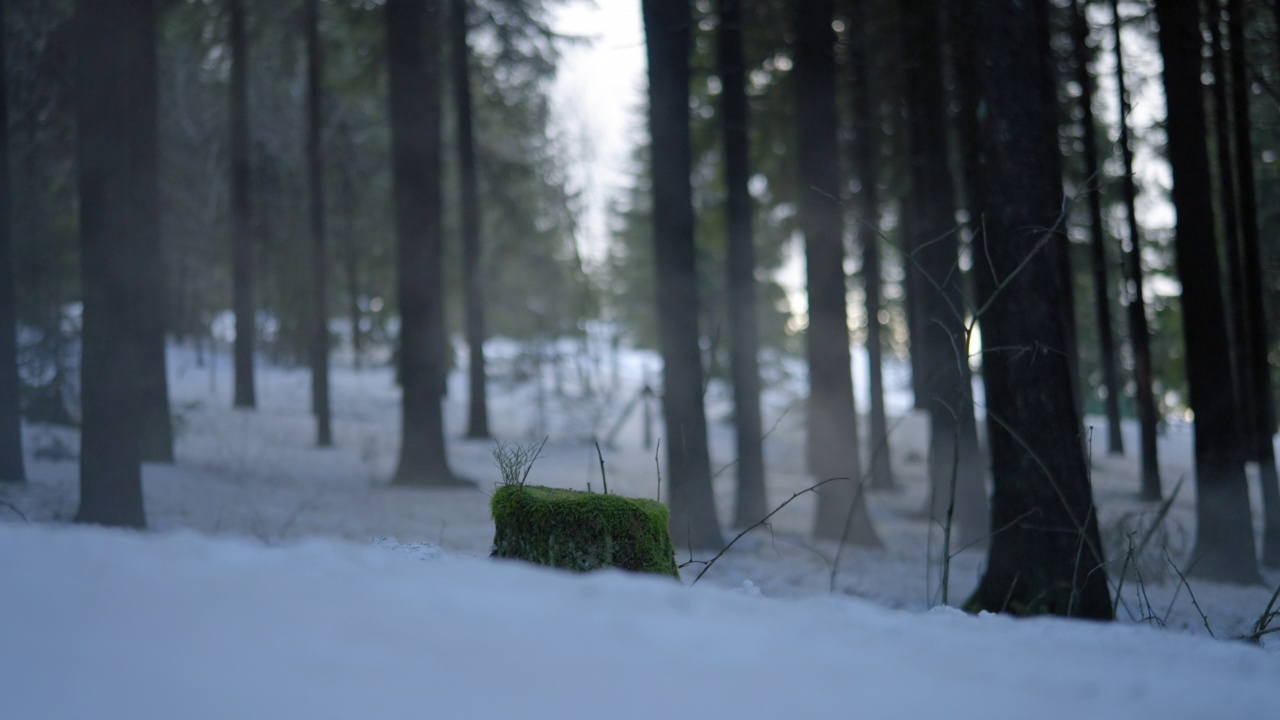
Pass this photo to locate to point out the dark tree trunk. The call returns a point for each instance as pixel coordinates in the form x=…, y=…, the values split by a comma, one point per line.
x=1261, y=420
x=478, y=407
x=1139, y=334
x=319, y=246
x=241, y=209
x=1048, y=555
x=1224, y=534
x=11, y=465
x=117, y=154
x=1228, y=206
x=833, y=424
x=1097, y=235
x=693, y=512
x=954, y=459
x=744, y=342
x=865, y=151
x=413, y=58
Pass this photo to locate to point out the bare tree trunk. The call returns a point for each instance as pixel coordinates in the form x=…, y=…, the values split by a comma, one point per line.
x=865, y=149
x=1224, y=533
x=1097, y=235
x=1261, y=418
x=693, y=512
x=241, y=210
x=1047, y=556
x=11, y=464
x=833, y=423
x=1228, y=205
x=478, y=407
x=319, y=246
x=954, y=460
x=744, y=342
x=117, y=163
x=1139, y=334
x=413, y=58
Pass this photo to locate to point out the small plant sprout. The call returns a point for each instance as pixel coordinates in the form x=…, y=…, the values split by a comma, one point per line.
x=515, y=460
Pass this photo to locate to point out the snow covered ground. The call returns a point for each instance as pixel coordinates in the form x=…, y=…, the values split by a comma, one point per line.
x=263, y=591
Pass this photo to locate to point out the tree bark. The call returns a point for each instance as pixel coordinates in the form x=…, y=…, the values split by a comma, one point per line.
x=1139, y=333
x=413, y=56
x=1047, y=556
x=1228, y=206
x=668, y=43
x=11, y=462
x=1224, y=535
x=865, y=150
x=319, y=245
x=833, y=424
x=241, y=211
x=744, y=341
x=478, y=406
x=117, y=154
x=1097, y=234
x=1261, y=419
x=954, y=459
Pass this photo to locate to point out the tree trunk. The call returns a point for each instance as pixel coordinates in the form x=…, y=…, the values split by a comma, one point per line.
x=1041, y=478
x=1224, y=534
x=833, y=424
x=1139, y=334
x=865, y=151
x=478, y=407
x=1261, y=420
x=744, y=343
x=954, y=459
x=241, y=212
x=1097, y=235
x=117, y=154
x=319, y=246
x=1228, y=206
x=693, y=511
x=11, y=465
x=413, y=57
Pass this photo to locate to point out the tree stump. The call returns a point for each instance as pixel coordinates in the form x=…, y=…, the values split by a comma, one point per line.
x=581, y=531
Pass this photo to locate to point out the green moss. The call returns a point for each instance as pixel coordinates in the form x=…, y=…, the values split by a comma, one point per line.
x=581, y=531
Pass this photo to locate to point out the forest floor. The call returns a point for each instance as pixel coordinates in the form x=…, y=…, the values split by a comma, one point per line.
x=264, y=589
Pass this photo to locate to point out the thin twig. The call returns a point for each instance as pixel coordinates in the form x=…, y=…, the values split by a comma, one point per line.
x=604, y=479
x=15, y=509
x=1183, y=578
x=762, y=521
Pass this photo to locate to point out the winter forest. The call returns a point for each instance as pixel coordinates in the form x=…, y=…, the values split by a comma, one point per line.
x=944, y=332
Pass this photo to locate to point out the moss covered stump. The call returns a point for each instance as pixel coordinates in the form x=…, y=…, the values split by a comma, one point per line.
x=580, y=530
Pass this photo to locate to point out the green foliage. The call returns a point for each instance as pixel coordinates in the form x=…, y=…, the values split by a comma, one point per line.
x=581, y=531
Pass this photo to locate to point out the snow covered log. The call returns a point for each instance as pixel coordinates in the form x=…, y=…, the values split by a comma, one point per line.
x=581, y=530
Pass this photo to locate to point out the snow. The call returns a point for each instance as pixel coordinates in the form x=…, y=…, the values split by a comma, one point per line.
x=271, y=586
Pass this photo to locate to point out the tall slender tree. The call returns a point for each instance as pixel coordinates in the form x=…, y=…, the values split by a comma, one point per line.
x=1228, y=209
x=117, y=162
x=832, y=436
x=954, y=458
x=319, y=245
x=11, y=465
x=667, y=41
x=1224, y=529
x=241, y=209
x=1097, y=234
x=478, y=405
x=413, y=58
x=1047, y=555
x=744, y=341
x=865, y=154
x=1262, y=418
x=1139, y=332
